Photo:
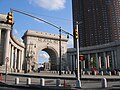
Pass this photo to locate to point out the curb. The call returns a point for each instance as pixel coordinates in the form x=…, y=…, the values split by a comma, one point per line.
x=59, y=77
x=35, y=87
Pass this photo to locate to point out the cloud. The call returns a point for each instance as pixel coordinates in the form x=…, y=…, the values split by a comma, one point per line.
x=15, y=31
x=44, y=55
x=16, y=34
x=49, y=4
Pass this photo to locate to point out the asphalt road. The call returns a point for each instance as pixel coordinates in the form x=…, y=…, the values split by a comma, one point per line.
x=85, y=84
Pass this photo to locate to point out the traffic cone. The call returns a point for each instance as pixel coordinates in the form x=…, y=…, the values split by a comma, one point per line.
x=65, y=84
x=0, y=76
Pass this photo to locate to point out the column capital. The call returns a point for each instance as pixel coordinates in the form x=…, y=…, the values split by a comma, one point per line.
x=5, y=26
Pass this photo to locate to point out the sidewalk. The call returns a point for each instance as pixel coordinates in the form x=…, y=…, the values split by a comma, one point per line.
x=66, y=76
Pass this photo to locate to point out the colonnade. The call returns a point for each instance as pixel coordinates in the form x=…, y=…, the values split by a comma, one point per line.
x=99, y=60
x=12, y=50
x=16, y=58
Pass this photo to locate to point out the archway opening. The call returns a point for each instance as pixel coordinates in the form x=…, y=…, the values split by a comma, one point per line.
x=43, y=58
x=47, y=60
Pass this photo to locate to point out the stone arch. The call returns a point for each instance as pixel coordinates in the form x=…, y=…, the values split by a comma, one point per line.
x=53, y=56
x=42, y=41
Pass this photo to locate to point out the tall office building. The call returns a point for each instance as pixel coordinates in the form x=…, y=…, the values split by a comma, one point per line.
x=99, y=21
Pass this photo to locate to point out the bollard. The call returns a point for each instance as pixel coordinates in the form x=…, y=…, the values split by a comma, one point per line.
x=57, y=72
x=118, y=73
x=104, y=83
x=83, y=72
x=95, y=73
x=16, y=80
x=78, y=84
x=28, y=81
x=88, y=72
x=58, y=83
x=109, y=73
x=42, y=82
x=101, y=73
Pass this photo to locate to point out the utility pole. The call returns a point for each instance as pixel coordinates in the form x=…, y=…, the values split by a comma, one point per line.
x=60, y=60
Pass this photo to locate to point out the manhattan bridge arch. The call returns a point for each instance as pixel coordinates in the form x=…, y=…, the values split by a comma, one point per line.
x=42, y=41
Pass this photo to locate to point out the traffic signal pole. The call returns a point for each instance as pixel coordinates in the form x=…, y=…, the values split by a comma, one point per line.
x=60, y=58
x=78, y=82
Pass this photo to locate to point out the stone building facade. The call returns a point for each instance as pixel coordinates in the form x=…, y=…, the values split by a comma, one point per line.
x=100, y=57
x=11, y=49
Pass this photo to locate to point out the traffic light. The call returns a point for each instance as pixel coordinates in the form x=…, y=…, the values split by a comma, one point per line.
x=82, y=57
x=10, y=18
x=76, y=33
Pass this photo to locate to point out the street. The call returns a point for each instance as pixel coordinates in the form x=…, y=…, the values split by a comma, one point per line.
x=51, y=82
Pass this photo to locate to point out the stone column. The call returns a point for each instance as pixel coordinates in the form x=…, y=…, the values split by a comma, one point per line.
x=12, y=57
x=19, y=57
x=22, y=57
x=15, y=61
x=6, y=46
x=0, y=35
x=99, y=61
x=89, y=61
x=115, y=58
x=97, y=66
x=113, y=63
x=74, y=62
x=105, y=60
x=9, y=54
x=84, y=64
x=108, y=61
x=71, y=62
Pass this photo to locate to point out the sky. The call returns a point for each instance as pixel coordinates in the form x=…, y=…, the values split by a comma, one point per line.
x=58, y=12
